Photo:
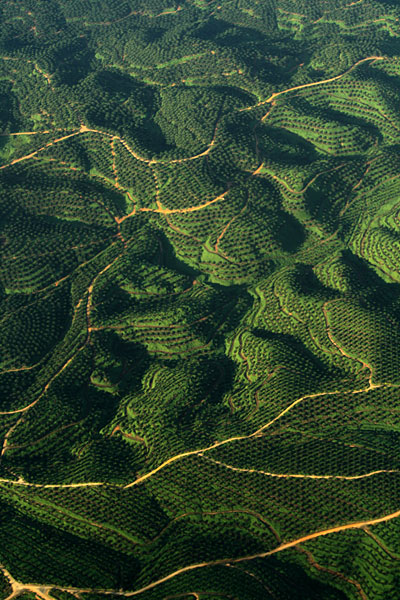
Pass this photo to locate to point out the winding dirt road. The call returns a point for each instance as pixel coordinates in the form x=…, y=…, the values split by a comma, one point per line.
x=171, y=211
x=43, y=591
x=300, y=475
x=304, y=86
x=256, y=433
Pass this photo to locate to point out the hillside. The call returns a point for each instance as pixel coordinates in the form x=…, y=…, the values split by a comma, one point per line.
x=200, y=299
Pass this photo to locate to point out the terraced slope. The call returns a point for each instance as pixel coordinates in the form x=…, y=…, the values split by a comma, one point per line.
x=200, y=299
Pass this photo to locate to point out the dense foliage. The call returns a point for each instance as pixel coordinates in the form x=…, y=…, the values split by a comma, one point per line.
x=200, y=299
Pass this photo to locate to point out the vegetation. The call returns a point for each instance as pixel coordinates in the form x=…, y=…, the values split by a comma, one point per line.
x=200, y=299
